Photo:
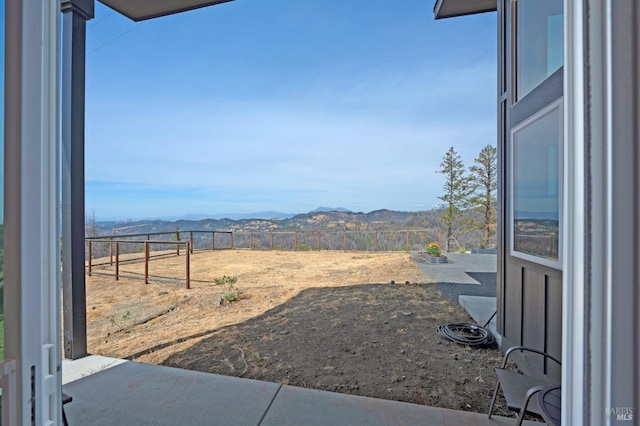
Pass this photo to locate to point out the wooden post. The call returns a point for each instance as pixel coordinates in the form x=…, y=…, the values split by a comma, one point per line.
x=117, y=261
x=177, y=245
x=407, y=241
x=146, y=262
x=188, y=250
x=295, y=241
x=231, y=240
x=250, y=240
x=213, y=241
x=191, y=240
x=271, y=237
x=89, y=257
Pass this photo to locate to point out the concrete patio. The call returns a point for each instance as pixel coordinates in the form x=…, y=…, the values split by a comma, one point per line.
x=108, y=391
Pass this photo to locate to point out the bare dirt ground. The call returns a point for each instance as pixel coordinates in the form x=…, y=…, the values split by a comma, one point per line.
x=322, y=320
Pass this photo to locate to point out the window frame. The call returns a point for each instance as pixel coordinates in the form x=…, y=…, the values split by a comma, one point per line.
x=515, y=95
x=557, y=105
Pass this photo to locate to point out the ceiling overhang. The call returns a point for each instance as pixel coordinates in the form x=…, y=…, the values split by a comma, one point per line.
x=139, y=10
x=453, y=8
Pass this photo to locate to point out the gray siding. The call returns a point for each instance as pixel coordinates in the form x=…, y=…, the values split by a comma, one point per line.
x=529, y=295
x=533, y=312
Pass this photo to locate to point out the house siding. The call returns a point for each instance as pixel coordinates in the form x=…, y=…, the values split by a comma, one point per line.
x=529, y=295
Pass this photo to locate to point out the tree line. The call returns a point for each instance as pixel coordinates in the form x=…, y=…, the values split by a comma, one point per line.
x=469, y=196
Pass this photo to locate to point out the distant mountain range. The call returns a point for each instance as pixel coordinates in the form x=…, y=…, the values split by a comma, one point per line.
x=322, y=218
x=269, y=214
x=234, y=216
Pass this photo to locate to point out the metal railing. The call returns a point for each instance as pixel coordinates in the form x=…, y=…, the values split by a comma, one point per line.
x=147, y=243
x=114, y=246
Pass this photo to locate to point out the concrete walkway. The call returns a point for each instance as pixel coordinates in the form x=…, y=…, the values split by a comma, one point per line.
x=115, y=392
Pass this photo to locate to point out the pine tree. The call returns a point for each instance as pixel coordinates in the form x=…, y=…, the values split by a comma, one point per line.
x=457, y=190
x=484, y=175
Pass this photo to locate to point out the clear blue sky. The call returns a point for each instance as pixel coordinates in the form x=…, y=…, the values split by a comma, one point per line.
x=283, y=105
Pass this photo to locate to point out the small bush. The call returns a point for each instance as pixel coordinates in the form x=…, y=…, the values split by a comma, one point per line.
x=232, y=293
x=433, y=249
x=225, y=280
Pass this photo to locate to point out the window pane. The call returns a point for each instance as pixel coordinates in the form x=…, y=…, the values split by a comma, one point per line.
x=539, y=42
x=536, y=185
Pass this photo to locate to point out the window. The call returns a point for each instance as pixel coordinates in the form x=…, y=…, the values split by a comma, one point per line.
x=539, y=43
x=536, y=158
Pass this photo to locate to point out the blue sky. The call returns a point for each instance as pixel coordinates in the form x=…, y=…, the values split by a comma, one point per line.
x=283, y=105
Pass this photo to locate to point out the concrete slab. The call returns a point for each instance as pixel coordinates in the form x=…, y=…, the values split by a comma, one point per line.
x=299, y=406
x=458, y=269
x=139, y=394
x=481, y=309
x=79, y=368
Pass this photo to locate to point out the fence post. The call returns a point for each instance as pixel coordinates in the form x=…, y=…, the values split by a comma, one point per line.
x=146, y=262
x=295, y=241
x=407, y=241
x=177, y=245
x=250, y=240
x=188, y=250
x=89, y=257
x=117, y=261
x=231, y=240
x=213, y=241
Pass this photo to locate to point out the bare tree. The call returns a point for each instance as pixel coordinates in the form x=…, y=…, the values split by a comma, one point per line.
x=90, y=228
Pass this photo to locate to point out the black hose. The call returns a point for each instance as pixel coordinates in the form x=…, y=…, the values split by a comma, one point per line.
x=466, y=334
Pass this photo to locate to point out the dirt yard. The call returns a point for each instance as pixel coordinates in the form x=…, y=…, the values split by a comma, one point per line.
x=324, y=320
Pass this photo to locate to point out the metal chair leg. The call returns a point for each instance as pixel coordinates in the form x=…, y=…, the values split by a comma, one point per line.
x=527, y=398
x=493, y=400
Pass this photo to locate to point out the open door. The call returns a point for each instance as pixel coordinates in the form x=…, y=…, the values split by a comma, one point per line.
x=31, y=376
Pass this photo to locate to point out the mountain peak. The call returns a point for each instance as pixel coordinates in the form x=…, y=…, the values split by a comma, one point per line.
x=331, y=209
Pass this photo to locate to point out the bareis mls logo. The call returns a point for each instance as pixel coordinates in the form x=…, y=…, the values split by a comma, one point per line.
x=621, y=413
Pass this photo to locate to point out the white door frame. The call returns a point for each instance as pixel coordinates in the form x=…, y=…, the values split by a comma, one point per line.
x=601, y=320
x=32, y=367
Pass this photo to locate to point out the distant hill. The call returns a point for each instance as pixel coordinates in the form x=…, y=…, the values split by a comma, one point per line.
x=316, y=220
x=330, y=209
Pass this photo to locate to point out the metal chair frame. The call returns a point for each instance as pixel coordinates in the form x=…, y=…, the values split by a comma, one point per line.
x=531, y=391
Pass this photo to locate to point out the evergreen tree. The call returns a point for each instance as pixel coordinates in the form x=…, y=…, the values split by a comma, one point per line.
x=484, y=175
x=457, y=190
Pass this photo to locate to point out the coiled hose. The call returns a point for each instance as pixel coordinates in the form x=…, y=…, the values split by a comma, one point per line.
x=466, y=334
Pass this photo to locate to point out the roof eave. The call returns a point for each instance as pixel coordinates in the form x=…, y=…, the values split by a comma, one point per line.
x=453, y=8
x=139, y=10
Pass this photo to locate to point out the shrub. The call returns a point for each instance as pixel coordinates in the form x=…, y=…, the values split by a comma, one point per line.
x=225, y=280
x=433, y=249
x=232, y=293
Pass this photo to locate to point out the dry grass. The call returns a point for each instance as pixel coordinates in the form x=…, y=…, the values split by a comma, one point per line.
x=129, y=319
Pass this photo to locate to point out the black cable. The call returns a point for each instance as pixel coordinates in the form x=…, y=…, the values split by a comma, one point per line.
x=492, y=316
x=466, y=334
